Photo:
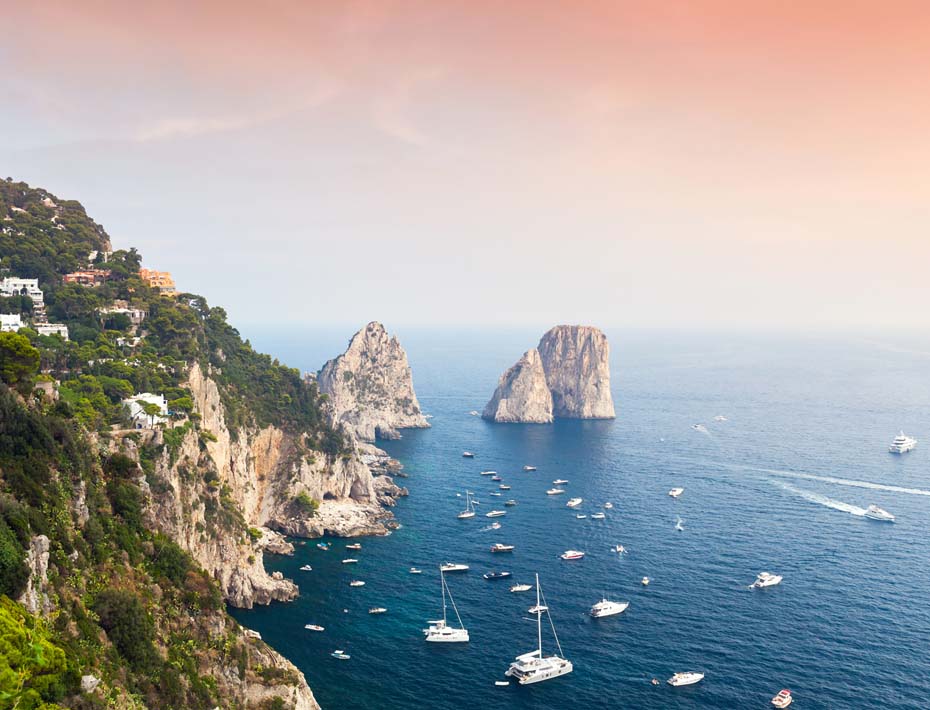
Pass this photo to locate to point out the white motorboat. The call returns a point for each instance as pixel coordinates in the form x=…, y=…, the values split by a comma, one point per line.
x=597, y=516
x=534, y=667
x=496, y=478
x=555, y=491
x=489, y=473
x=354, y=546
x=306, y=568
x=313, y=627
x=873, y=512
x=574, y=502
x=440, y=631
x=605, y=607
x=452, y=567
x=496, y=494
x=504, y=487
x=521, y=587
x=415, y=570
x=720, y=418
x=529, y=468
x=902, y=444
x=675, y=492
x=501, y=682
x=510, y=503
x=494, y=526
x=490, y=576
x=469, y=511
x=560, y=482
x=783, y=699
x=356, y=583
x=495, y=514
x=349, y=561
x=619, y=549
x=474, y=413
x=766, y=579
x=608, y=505
x=581, y=516
x=572, y=555
x=645, y=581
x=500, y=547
x=340, y=654
x=468, y=455
x=377, y=610
x=685, y=679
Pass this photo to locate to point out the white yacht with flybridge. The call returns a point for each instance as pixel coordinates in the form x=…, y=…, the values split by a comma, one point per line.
x=902, y=444
x=534, y=667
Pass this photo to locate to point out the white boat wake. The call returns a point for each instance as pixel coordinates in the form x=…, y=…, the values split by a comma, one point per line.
x=821, y=499
x=844, y=481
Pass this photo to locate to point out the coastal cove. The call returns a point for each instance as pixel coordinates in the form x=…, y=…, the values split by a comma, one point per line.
x=780, y=486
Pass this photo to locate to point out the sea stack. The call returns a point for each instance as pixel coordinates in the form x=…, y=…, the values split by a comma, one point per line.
x=370, y=387
x=567, y=376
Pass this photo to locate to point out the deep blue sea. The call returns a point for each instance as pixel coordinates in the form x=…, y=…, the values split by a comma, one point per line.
x=777, y=487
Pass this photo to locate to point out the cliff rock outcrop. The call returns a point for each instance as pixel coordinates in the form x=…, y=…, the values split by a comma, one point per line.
x=370, y=387
x=522, y=394
x=567, y=375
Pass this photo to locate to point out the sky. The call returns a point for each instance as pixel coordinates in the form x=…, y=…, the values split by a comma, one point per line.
x=694, y=164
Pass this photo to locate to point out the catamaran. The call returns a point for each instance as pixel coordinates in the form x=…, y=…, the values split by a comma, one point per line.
x=440, y=631
x=534, y=667
x=469, y=511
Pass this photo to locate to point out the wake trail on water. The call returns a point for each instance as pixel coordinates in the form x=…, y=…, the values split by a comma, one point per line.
x=821, y=499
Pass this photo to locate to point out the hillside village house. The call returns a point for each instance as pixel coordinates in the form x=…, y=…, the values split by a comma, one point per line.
x=87, y=277
x=13, y=286
x=51, y=329
x=159, y=279
x=10, y=322
x=136, y=315
x=135, y=407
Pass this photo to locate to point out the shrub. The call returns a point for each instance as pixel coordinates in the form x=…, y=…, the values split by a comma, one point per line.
x=129, y=627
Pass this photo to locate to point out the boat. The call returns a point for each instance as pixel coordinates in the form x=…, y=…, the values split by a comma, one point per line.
x=554, y=491
x=356, y=583
x=474, y=412
x=497, y=575
x=469, y=511
x=597, y=516
x=581, y=516
x=504, y=487
x=500, y=547
x=685, y=679
x=313, y=627
x=489, y=473
x=377, y=610
x=495, y=526
x=496, y=478
x=765, y=579
x=495, y=514
x=536, y=608
x=608, y=505
x=902, y=444
x=534, y=667
x=496, y=494
x=415, y=570
x=501, y=682
x=783, y=699
x=354, y=546
x=452, y=567
x=606, y=607
x=349, y=561
x=720, y=418
x=675, y=492
x=341, y=655
x=679, y=525
x=572, y=555
x=619, y=549
x=440, y=631
x=529, y=468
x=306, y=568
x=574, y=502
x=521, y=587
x=467, y=455
x=873, y=512
x=560, y=482
x=510, y=503
x=645, y=581
x=322, y=545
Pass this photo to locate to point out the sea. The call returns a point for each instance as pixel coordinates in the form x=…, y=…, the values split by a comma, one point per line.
x=781, y=486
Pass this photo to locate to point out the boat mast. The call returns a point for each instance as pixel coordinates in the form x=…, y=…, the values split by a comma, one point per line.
x=455, y=608
x=442, y=581
x=538, y=617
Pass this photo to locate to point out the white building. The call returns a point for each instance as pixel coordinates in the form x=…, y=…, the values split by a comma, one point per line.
x=141, y=420
x=10, y=322
x=13, y=286
x=135, y=315
x=51, y=329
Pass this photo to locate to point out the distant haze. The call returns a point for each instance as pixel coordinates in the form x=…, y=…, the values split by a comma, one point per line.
x=700, y=164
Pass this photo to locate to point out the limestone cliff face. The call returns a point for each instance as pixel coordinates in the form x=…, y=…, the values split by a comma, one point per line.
x=567, y=375
x=370, y=386
x=522, y=394
x=576, y=359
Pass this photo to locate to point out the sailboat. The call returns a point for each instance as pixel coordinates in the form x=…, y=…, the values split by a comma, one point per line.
x=469, y=511
x=534, y=667
x=440, y=631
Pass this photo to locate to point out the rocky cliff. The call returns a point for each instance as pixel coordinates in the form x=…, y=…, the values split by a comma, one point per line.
x=522, y=394
x=567, y=375
x=370, y=387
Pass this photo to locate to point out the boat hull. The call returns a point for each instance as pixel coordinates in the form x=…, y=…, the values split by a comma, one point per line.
x=540, y=676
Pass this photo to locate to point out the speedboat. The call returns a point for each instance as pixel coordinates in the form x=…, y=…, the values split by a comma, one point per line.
x=554, y=491
x=645, y=581
x=608, y=505
x=873, y=512
x=495, y=526
x=495, y=514
x=536, y=608
x=452, y=567
x=354, y=546
x=496, y=478
x=510, y=503
x=496, y=494
x=581, y=516
x=341, y=655
x=313, y=627
x=415, y=570
x=619, y=549
x=675, y=492
x=377, y=610
x=572, y=555
x=504, y=487
x=573, y=502
x=765, y=579
x=502, y=682
x=349, y=561
x=306, y=568
x=356, y=583
x=597, y=516
x=560, y=482
x=902, y=444
x=529, y=468
x=685, y=679
x=468, y=455
x=500, y=547
x=608, y=608
x=521, y=587
x=534, y=667
x=489, y=473
x=497, y=575
x=783, y=699
x=440, y=631
x=474, y=412
x=322, y=545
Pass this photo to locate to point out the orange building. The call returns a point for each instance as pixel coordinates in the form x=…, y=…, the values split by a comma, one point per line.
x=87, y=277
x=159, y=279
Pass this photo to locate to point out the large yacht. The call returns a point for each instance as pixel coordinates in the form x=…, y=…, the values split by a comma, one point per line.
x=534, y=667
x=440, y=631
x=902, y=444
x=606, y=607
x=452, y=567
x=573, y=502
x=686, y=678
x=766, y=579
x=873, y=512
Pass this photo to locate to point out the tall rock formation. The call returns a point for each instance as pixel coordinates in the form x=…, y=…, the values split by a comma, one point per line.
x=567, y=376
x=370, y=386
x=522, y=394
x=576, y=359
